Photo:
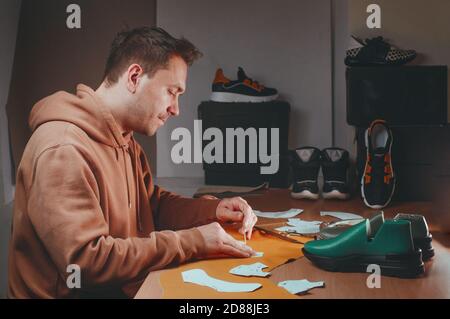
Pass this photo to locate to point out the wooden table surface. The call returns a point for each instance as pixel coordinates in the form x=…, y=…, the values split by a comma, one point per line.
x=435, y=283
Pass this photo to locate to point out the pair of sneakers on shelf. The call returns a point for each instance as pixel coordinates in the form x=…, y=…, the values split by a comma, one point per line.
x=306, y=164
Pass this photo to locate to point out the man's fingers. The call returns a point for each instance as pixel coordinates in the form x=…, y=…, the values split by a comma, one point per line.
x=234, y=216
x=230, y=241
x=232, y=251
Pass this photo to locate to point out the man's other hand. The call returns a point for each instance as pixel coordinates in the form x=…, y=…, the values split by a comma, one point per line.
x=220, y=244
x=236, y=209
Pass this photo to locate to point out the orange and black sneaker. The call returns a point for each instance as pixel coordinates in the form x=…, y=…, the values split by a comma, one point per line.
x=378, y=180
x=244, y=89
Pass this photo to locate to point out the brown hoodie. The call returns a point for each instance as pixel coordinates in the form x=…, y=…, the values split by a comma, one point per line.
x=85, y=196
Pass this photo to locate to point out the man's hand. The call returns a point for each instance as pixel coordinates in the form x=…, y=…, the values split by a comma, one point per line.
x=236, y=209
x=220, y=244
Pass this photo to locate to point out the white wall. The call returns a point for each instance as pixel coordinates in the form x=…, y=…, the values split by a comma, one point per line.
x=285, y=44
x=342, y=132
x=9, y=20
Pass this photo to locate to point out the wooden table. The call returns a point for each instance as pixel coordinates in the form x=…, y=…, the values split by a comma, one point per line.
x=434, y=284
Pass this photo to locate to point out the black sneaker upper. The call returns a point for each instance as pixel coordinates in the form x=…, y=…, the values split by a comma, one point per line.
x=378, y=181
x=377, y=51
x=335, y=164
x=244, y=86
x=306, y=166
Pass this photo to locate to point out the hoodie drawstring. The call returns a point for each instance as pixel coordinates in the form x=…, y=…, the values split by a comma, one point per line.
x=133, y=156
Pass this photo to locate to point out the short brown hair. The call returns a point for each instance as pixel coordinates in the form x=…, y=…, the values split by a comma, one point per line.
x=149, y=47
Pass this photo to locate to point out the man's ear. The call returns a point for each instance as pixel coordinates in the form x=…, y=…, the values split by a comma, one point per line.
x=134, y=74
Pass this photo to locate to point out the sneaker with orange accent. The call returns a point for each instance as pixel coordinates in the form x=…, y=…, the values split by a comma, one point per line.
x=378, y=180
x=244, y=89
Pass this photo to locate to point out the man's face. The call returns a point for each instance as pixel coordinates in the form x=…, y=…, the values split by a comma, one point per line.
x=157, y=97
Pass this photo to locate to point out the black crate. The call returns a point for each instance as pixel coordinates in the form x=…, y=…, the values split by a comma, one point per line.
x=274, y=114
x=407, y=95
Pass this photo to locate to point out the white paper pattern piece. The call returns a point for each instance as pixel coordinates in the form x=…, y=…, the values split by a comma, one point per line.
x=299, y=286
x=341, y=215
x=255, y=269
x=298, y=226
x=200, y=277
x=286, y=214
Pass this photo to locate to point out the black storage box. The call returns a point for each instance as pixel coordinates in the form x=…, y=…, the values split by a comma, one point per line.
x=274, y=114
x=407, y=95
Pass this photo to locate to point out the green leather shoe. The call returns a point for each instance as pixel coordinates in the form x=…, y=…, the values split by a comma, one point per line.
x=390, y=246
x=419, y=228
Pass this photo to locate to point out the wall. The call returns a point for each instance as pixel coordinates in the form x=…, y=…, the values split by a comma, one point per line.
x=286, y=45
x=416, y=24
x=9, y=20
x=51, y=57
x=343, y=134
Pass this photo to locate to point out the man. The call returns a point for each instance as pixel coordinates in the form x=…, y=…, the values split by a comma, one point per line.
x=85, y=197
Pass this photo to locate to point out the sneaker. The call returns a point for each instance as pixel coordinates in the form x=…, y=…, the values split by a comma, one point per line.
x=388, y=244
x=244, y=89
x=335, y=163
x=378, y=180
x=306, y=166
x=376, y=51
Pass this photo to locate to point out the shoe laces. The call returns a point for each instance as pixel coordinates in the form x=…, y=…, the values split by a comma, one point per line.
x=254, y=84
x=377, y=41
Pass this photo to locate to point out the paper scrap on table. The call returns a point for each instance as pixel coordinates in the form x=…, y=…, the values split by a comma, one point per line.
x=255, y=269
x=298, y=226
x=299, y=286
x=341, y=215
x=285, y=214
x=200, y=277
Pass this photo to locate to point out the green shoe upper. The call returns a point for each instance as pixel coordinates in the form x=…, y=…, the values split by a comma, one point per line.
x=337, y=228
x=391, y=237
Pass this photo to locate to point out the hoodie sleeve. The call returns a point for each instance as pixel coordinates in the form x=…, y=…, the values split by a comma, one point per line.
x=172, y=211
x=64, y=208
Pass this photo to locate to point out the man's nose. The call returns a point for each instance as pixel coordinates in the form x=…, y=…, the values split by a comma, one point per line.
x=173, y=109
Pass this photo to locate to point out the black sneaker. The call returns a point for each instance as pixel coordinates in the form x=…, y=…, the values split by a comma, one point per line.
x=243, y=89
x=306, y=166
x=335, y=163
x=378, y=180
x=376, y=51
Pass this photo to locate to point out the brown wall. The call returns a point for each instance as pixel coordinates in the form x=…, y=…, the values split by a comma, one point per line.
x=50, y=57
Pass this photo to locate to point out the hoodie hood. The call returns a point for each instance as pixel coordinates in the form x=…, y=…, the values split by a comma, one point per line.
x=84, y=110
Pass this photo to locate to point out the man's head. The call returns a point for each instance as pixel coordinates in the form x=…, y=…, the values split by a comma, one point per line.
x=145, y=74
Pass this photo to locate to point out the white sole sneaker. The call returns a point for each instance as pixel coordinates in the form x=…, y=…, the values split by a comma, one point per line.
x=304, y=195
x=234, y=97
x=335, y=194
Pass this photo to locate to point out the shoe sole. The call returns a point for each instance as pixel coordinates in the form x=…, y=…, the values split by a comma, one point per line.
x=334, y=194
x=425, y=245
x=304, y=195
x=354, y=62
x=235, y=97
x=365, y=167
x=403, y=266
